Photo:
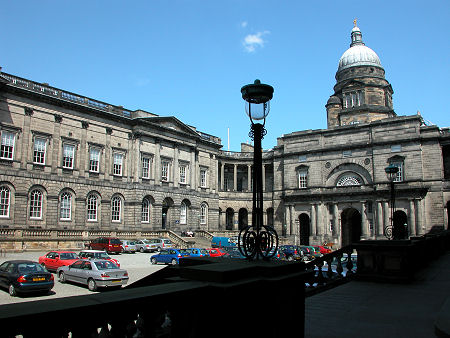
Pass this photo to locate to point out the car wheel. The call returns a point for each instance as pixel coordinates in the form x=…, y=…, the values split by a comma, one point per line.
x=62, y=277
x=153, y=260
x=174, y=261
x=141, y=250
x=12, y=290
x=92, y=285
x=159, y=249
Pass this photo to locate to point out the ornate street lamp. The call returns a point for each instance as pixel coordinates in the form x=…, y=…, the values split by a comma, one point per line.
x=391, y=173
x=257, y=240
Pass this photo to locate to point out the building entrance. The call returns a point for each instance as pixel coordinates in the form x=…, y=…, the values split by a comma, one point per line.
x=304, y=229
x=350, y=226
x=229, y=219
x=243, y=218
x=400, y=223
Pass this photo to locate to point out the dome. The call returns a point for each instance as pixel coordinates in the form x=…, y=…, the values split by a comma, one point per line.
x=333, y=100
x=358, y=54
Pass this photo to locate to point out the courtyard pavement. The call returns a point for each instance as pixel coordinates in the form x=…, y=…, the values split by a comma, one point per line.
x=364, y=309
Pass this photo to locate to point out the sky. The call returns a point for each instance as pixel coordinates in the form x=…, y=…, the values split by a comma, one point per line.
x=189, y=59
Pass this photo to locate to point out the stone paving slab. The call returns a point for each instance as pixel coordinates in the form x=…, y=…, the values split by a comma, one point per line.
x=364, y=309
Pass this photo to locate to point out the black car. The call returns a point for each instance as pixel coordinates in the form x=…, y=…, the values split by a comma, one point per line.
x=289, y=253
x=22, y=276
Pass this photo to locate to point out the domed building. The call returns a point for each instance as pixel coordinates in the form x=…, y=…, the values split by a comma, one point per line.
x=73, y=168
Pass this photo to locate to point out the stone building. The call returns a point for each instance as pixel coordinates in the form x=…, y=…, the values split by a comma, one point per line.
x=69, y=162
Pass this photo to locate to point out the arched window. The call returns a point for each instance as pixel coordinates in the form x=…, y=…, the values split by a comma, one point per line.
x=145, y=213
x=36, y=197
x=183, y=213
x=92, y=208
x=203, y=213
x=349, y=180
x=116, y=209
x=4, y=201
x=66, y=206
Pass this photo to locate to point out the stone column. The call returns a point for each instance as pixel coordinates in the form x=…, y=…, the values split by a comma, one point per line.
x=387, y=214
x=176, y=170
x=336, y=225
x=318, y=219
x=419, y=213
x=264, y=177
x=313, y=220
x=235, y=177
x=157, y=175
x=137, y=159
x=379, y=227
x=84, y=152
x=293, y=227
x=222, y=173
x=56, y=145
x=288, y=220
x=249, y=177
x=364, y=222
x=412, y=219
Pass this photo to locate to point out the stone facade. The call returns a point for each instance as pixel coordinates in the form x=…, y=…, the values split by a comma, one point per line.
x=74, y=163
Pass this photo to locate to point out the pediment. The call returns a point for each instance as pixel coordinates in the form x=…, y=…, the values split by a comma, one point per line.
x=171, y=123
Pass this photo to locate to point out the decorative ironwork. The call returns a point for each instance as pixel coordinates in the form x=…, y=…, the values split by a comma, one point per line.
x=251, y=133
x=254, y=242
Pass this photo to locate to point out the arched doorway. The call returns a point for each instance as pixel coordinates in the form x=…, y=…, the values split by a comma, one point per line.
x=220, y=218
x=243, y=218
x=304, y=229
x=350, y=226
x=270, y=217
x=166, y=213
x=229, y=219
x=400, y=224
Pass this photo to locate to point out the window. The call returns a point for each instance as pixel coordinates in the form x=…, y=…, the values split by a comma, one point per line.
x=39, y=150
x=65, y=207
x=303, y=178
x=116, y=208
x=4, y=201
x=68, y=156
x=346, y=153
x=146, y=167
x=302, y=158
x=183, y=213
x=165, y=171
x=7, y=147
x=399, y=177
x=183, y=174
x=349, y=180
x=145, y=213
x=353, y=99
x=94, y=160
x=92, y=208
x=396, y=148
x=36, y=197
x=203, y=213
x=203, y=175
x=118, y=164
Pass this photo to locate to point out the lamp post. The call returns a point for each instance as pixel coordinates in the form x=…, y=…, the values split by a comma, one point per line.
x=391, y=173
x=257, y=240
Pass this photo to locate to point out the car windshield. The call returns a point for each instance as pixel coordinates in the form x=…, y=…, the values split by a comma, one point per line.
x=131, y=243
x=68, y=255
x=115, y=241
x=102, y=255
x=105, y=265
x=167, y=241
x=30, y=268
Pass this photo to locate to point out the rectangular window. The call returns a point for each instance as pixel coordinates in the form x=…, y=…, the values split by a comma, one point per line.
x=347, y=153
x=68, y=156
x=118, y=164
x=396, y=148
x=7, y=147
x=183, y=174
x=146, y=167
x=303, y=179
x=203, y=178
x=39, y=150
x=399, y=177
x=92, y=208
x=94, y=160
x=165, y=171
x=302, y=158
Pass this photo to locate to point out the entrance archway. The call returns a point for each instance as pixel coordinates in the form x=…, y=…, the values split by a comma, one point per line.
x=243, y=218
x=166, y=213
x=229, y=219
x=270, y=217
x=350, y=226
x=304, y=229
x=400, y=223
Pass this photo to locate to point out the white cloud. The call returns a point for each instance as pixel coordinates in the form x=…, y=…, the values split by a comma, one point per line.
x=244, y=24
x=253, y=41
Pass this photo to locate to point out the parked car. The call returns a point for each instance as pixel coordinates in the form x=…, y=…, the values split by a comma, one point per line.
x=314, y=251
x=97, y=254
x=21, y=276
x=197, y=252
x=93, y=273
x=219, y=242
x=169, y=256
x=232, y=252
x=108, y=244
x=217, y=252
x=323, y=249
x=162, y=243
x=54, y=259
x=128, y=246
x=146, y=245
x=289, y=253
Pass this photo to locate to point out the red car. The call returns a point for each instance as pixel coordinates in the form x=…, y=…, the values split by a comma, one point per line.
x=54, y=259
x=216, y=252
x=97, y=254
x=323, y=249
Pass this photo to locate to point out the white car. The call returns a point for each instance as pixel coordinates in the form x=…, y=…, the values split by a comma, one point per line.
x=145, y=245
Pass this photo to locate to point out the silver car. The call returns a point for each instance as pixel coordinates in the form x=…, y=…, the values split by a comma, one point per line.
x=128, y=246
x=145, y=245
x=162, y=243
x=94, y=273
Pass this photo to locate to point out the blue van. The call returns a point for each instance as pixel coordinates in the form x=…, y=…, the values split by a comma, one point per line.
x=219, y=242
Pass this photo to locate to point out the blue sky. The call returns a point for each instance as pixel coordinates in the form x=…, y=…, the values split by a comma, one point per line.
x=189, y=59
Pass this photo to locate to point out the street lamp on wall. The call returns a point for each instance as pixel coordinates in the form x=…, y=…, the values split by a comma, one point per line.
x=391, y=173
x=257, y=240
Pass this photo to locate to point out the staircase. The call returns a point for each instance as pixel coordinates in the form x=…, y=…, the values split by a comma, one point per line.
x=198, y=242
